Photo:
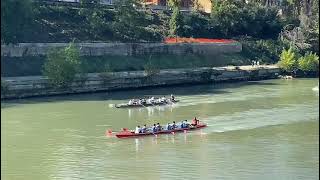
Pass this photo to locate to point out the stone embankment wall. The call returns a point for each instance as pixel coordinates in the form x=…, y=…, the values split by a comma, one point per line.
x=123, y=49
x=28, y=86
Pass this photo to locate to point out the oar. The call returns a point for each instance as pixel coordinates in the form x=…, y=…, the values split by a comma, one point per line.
x=108, y=132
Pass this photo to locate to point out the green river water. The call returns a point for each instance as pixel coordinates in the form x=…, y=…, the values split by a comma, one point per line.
x=260, y=130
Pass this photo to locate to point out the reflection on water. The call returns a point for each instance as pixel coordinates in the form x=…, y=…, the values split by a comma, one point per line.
x=257, y=130
x=150, y=110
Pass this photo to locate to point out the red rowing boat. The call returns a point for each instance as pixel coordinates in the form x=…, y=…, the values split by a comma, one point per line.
x=129, y=133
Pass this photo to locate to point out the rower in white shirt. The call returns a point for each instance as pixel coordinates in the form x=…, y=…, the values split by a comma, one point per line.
x=138, y=130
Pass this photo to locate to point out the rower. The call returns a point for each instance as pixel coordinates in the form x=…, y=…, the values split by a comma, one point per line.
x=130, y=102
x=158, y=127
x=138, y=130
x=152, y=99
x=154, y=128
x=172, y=97
x=182, y=124
x=144, y=129
x=174, y=125
x=168, y=127
x=134, y=102
x=186, y=124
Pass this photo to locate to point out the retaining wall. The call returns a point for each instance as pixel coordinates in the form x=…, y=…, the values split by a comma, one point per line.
x=123, y=49
x=28, y=86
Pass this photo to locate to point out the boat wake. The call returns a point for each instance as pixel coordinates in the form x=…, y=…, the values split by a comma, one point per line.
x=316, y=89
x=257, y=118
x=211, y=99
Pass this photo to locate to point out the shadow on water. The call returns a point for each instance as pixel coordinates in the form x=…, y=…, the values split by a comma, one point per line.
x=178, y=90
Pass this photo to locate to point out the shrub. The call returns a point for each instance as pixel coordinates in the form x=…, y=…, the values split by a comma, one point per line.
x=309, y=62
x=287, y=60
x=266, y=51
x=150, y=69
x=107, y=74
x=62, y=65
x=4, y=86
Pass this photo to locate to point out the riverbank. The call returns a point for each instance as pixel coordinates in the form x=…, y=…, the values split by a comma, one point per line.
x=30, y=86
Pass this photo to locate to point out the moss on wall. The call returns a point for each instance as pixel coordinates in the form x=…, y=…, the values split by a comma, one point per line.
x=32, y=65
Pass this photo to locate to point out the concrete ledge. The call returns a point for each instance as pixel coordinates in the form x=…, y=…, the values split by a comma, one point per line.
x=29, y=86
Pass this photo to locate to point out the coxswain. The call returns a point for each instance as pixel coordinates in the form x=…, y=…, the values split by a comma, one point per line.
x=195, y=121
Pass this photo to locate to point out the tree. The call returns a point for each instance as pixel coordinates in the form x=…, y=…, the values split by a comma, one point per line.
x=98, y=20
x=17, y=20
x=235, y=18
x=62, y=66
x=176, y=19
x=150, y=69
x=131, y=24
x=309, y=62
x=196, y=25
x=287, y=60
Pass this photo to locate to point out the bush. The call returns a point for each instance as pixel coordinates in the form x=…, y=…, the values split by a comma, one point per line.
x=150, y=69
x=4, y=86
x=107, y=74
x=287, y=60
x=62, y=65
x=266, y=51
x=309, y=62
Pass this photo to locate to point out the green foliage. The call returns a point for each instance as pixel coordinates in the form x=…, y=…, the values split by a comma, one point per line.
x=150, y=69
x=4, y=86
x=174, y=3
x=309, y=62
x=17, y=20
x=107, y=74
x=287, y=60
x=234, y=18
x=266, y=51
x=196, y=25
x=62, y=66
x=98, y=22
x=133, y=25
x=176, y=22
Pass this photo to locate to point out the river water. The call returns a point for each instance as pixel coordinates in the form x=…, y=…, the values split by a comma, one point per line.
x=257, y=130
